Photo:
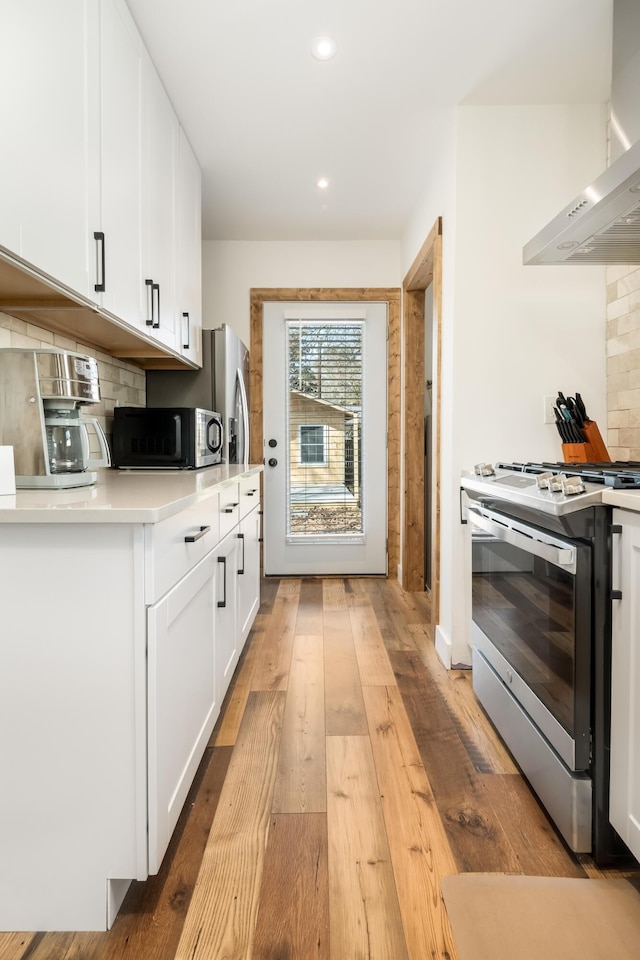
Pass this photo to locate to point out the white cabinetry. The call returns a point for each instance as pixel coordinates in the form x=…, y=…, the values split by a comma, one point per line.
x=119, y=641
x=188, y=252
x=249, y=567
x=49, y=156
x=227, y=639
x=183, y=696
x=625, y=682
x=99, y=188
x=120, y=220
x=159, y=164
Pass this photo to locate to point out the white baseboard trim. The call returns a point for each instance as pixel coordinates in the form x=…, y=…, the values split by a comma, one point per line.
x=443, y=648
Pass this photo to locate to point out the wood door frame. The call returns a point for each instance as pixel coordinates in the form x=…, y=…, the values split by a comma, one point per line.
x=389, y=295
x=425, y=270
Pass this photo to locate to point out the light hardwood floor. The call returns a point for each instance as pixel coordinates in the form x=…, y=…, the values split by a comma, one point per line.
x=347, y=774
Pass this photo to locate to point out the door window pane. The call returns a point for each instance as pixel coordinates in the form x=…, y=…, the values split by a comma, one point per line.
x=325, y=429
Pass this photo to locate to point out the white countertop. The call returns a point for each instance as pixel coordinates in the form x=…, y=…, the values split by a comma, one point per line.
x=625, y=499
x=121, y=496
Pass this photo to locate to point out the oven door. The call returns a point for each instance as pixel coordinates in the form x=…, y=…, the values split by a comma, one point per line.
x=531, y=621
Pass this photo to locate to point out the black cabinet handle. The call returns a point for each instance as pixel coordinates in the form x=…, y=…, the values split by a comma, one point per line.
x=155, y=289
x=230, y=508
x=241, y=537
x=223, y=602
x=197, y=536
x=153, y=304
x=149, y=286
x=186, y=338
x=100, y=287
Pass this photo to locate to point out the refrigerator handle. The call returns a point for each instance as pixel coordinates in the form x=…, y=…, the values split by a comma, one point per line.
x=245, y=417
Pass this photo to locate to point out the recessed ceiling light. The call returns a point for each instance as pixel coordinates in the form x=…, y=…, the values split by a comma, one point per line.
x=322, y=183
x=324, y=48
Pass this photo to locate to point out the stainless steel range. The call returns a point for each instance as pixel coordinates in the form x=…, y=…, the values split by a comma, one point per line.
x=541, y=631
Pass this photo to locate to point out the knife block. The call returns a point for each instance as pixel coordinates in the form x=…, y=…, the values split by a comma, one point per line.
x=593, y=451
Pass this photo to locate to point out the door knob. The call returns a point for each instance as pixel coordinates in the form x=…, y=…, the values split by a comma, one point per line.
x=273, y=443
x=272, y=462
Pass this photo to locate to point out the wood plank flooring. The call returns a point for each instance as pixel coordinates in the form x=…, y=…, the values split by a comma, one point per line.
x=347, y=774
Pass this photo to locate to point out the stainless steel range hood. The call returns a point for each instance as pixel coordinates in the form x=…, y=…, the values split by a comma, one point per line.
x=602, y=224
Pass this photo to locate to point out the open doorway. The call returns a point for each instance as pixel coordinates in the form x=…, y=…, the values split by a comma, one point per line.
x=422, y=304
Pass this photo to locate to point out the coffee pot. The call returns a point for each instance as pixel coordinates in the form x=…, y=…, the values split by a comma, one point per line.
x=42, y=394
x=68, y=444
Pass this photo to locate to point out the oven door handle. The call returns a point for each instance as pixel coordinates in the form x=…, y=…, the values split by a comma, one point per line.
x=564, y=557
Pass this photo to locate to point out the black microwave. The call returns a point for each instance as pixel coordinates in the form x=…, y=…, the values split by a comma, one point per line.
x=166, y=438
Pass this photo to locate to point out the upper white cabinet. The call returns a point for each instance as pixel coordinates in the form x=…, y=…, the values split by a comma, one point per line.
x=119, y=225
x=49, y=160
x=99, y=189
x=188, y=251
x=160, y=131
x=625, y=682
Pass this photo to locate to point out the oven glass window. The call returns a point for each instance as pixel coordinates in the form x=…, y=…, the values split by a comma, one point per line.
x=525, y=606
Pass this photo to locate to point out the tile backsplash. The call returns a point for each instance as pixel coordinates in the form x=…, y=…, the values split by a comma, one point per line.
x=623, y=362
x=121, y=383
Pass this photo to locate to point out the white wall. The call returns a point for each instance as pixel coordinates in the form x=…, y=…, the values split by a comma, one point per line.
x=512, y=334
x=439, y=200
x=231, y=268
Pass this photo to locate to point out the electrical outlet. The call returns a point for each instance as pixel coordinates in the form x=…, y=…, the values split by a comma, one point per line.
x=549, y=403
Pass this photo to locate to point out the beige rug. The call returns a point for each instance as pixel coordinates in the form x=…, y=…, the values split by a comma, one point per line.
x=498, y=917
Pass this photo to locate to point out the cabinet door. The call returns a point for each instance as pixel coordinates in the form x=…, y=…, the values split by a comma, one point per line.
x=182, y=696
x=188, y=253
x=248, y=573
x=49, y=74
x=226, y=639
x=625, y=683
x=160, y=147
x=121, y=159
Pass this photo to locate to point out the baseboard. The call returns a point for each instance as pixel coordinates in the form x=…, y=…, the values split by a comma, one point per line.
x=443, y=648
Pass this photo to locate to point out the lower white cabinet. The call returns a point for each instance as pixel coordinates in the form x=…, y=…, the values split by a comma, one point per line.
x=249, y=571
x=183, y=693
x=227, y=640
x=119, y=640
x=625, y=682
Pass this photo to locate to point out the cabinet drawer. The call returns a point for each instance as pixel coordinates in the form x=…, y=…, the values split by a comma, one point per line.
x=173, y=546
x=229, y=507
x=249, y=493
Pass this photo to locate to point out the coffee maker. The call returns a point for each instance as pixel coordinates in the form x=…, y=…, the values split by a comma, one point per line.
x=42, y=393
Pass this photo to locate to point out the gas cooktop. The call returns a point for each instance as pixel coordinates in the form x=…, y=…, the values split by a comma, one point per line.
x=552, y=488
x=619, y=474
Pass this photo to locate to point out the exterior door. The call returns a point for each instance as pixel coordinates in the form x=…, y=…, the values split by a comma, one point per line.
x=325, y=447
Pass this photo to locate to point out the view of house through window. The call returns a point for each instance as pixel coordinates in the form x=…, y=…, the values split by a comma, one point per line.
x=325, y=428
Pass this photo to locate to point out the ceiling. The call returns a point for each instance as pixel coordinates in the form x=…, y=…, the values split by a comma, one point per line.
x=266, y=119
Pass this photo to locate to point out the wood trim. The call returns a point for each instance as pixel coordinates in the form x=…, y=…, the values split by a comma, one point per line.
x=420, y=273
x=436, y=406
x=391, y=295
x=413, y=572
x=426, y=269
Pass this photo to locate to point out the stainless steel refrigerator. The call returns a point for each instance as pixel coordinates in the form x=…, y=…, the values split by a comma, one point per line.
x=222, y=384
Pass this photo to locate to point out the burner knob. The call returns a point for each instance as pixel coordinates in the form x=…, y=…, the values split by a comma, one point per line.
x=572, y=486
x=484, y=470
x=542, y=480
x=555, y=483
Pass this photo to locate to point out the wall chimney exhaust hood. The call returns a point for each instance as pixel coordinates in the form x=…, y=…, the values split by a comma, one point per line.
x=602, y=225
